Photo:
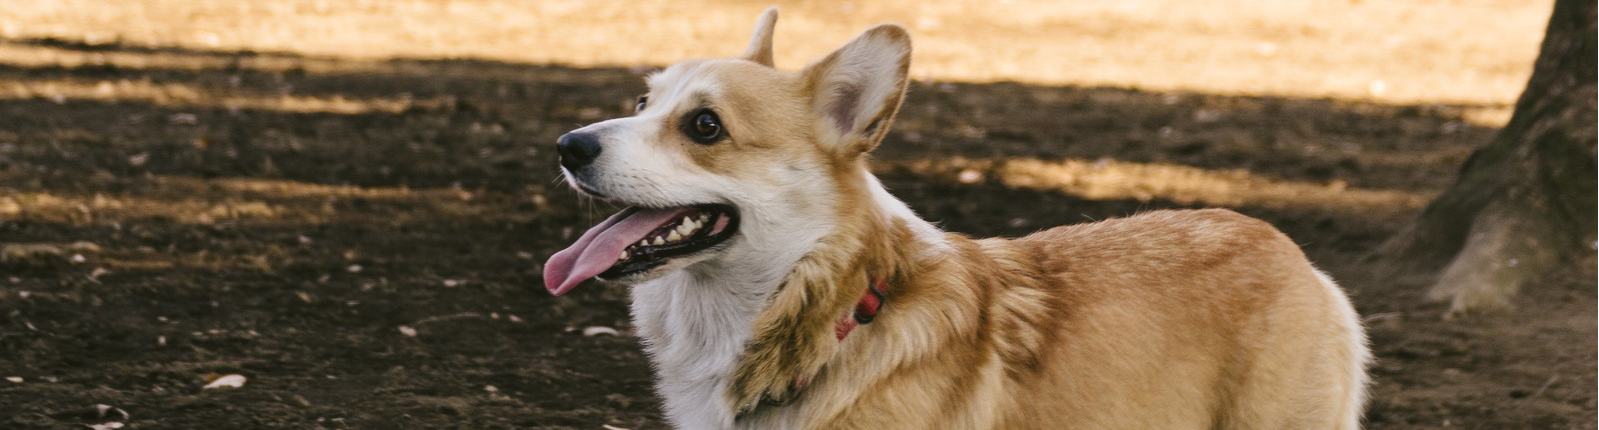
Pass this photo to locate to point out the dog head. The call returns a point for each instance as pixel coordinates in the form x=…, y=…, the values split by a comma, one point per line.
x=731, y=161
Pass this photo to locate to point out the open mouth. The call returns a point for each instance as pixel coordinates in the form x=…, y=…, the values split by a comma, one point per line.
x=636, y=240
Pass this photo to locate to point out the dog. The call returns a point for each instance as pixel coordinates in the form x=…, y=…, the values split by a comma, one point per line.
x=775, y=284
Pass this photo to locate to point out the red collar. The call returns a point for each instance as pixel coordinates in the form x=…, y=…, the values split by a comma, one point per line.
x=865, y=310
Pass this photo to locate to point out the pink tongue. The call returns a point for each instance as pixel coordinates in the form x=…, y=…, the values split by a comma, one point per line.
x=596, y=251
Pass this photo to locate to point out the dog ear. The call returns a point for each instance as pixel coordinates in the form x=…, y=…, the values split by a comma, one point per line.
x=856, y=90
x=760, y=49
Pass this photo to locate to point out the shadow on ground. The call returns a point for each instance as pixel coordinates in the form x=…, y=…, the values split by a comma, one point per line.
x=362, y=239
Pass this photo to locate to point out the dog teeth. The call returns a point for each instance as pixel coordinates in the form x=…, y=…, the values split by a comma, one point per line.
x=623, y=256
x=684, y=230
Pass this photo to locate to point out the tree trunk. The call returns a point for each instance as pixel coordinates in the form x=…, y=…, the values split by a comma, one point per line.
x=1525, y=203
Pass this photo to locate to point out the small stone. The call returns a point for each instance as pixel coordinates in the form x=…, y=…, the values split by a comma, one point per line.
x=408, y=331
x=104, y=409
x=184, y=118
x=969, y=176
x=592, y=331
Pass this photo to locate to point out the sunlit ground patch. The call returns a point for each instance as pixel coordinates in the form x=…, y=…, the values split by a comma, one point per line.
x=184, y=95
x=250, y=201
x=1112, y=180
x=1399, y=51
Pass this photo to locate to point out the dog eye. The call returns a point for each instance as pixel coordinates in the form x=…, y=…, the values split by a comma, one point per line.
x=705, y=127
x=642, y=100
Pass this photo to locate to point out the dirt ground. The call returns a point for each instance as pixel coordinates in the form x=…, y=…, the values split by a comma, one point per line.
x=362, y=238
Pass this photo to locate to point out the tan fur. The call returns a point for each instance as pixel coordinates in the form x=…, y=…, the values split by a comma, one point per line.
x=1170, y=319
x=1164, y=320
x=1161, y=320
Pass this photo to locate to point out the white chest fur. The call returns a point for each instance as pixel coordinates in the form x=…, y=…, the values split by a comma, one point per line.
x=693, y=330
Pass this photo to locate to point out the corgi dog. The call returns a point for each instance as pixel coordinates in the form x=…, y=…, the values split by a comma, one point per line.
x=775, y=283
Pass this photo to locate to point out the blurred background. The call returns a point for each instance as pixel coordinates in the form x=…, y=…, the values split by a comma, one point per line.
x=346, y=203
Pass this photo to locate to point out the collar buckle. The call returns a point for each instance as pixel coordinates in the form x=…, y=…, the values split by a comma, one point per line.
x=870, y=303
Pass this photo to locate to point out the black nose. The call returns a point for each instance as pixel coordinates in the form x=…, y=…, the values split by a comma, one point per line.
x=577, y=149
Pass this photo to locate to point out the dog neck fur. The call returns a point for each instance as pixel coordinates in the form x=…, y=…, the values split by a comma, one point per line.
x=723, y=336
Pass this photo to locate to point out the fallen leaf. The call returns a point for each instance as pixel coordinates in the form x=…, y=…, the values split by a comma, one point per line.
x=103, y=409
x=227, y=381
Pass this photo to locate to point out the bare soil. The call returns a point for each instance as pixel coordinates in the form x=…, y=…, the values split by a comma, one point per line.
x=362, y=239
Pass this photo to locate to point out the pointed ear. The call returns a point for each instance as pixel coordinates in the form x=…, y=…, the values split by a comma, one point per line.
x=856, y=90
x=760, y=49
